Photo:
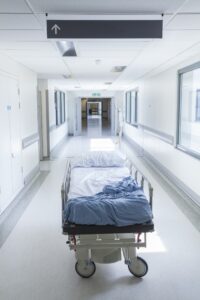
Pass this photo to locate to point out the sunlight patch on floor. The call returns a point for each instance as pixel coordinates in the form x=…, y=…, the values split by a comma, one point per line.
x=106, y=144
x=154, y=244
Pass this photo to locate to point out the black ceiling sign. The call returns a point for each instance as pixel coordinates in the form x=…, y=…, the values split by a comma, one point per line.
x=104, y=29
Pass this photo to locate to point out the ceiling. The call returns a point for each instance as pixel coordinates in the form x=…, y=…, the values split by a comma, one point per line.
x=23, y=38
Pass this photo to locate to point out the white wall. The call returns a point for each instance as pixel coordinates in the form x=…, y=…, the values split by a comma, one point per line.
x=157, y=110
x=27, y=83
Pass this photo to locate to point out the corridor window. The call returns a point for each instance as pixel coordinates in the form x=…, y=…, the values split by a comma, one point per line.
x=128, y=107
x=198, y=106
x=189, y=110
x=131, y=107
x=134, y=95
x=60, y=108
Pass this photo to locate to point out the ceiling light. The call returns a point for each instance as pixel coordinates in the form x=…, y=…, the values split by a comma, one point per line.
x=108, y=83
x=118, y=69
x=66, y=48
x=97, y=61
x=77, y=87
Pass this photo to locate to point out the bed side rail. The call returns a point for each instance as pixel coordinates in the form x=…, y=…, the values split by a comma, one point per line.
x=65, y=187
x=142, y=181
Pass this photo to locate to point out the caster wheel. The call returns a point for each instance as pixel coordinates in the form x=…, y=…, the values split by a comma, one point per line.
x=139, y=268
x=85, y=270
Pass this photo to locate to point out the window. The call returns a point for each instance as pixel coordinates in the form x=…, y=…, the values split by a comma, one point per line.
x=60, y=107
x=197, y=106
x=189, y=110
x=131, y=107
x=134, y=95
x=128, y=107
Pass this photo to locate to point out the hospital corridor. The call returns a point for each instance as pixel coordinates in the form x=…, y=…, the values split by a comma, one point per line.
x=99, y=150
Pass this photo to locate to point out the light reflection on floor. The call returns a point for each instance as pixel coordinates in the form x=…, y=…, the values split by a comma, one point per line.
x=154, y=244
x=104, y=144
x=95, y=126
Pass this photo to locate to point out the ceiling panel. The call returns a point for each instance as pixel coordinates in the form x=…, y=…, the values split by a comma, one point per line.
x=119, y=48
x=16, y=6
x=60, y=83
x=159, y=53
x=42, y=65
x=29, y=49
x=87, y=68
x=22, y=35
x=19, y=21
x=31, y=53
x=191, y=6
x=184, y=22
x=43, y=46
x=105, y=6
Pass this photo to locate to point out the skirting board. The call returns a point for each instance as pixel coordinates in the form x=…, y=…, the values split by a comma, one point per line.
x=33, y=173
x=166, y=174
x=59, y=144
x=11, y=215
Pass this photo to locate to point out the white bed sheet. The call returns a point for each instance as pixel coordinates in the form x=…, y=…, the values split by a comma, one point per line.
x=90, y=181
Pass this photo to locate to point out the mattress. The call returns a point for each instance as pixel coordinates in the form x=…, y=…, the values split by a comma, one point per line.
x=90, y=181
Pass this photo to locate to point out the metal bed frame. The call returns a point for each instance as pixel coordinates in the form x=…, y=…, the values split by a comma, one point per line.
x=86, y=239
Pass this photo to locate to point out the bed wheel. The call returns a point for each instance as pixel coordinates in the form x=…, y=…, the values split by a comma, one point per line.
x=139, y=268
x=85, y=270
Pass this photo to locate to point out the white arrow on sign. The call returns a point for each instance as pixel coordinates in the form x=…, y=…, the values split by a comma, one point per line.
x=55, y=28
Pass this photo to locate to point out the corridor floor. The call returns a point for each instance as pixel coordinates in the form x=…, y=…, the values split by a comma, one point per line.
x=36, y=264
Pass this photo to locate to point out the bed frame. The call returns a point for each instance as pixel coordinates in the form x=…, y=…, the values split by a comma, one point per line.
x=83, y=239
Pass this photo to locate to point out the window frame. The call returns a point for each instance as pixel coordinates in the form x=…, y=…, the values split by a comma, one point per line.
x=60, y=106
x=128, y=104
x=179, y=107
x=135, y=123
x=197, y=106
x=57, y=107
x=130, y=120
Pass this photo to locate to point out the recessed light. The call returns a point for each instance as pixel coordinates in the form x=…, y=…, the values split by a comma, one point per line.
x=97, y=61
x=108, y=83
x=118, y=69
x=77, y=87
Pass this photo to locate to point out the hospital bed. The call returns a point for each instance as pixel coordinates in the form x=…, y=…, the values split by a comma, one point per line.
x=105, y=243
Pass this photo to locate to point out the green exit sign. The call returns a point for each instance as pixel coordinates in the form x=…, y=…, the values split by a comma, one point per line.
x=96, y=95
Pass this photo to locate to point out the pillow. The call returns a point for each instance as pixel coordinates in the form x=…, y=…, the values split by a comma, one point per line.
x=99, y=159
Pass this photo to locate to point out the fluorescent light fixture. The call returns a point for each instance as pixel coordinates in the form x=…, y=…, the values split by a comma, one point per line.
x=66, y=48
x=118, y=69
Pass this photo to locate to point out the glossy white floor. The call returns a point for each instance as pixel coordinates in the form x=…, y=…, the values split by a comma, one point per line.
x=36, y=264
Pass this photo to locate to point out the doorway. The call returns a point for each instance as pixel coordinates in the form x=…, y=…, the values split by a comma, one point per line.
x=96, y=116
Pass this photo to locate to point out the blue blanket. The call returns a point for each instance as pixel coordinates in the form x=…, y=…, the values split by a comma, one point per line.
x=121, y=204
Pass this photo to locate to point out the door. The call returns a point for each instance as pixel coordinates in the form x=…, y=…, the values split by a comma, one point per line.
x=39, y=110
x=15, y=136
x=5, y=147
x=11, y=176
